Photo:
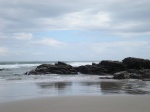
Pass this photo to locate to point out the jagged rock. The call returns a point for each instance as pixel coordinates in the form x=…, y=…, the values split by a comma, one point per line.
x=139, y=74
x=129, y=68
x=121, y=75
x=61, y=63
x=1, y=69
x=58, y=68
x=92, y=69
x=136, y=63
x=104, y=67
x=112, y=66
x=135, y=76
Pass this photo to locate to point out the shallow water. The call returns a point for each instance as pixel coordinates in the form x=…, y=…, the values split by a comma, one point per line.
x=16, y=86
x=16, y=90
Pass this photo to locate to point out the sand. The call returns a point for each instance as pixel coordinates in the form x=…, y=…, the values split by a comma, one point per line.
x=80, y=104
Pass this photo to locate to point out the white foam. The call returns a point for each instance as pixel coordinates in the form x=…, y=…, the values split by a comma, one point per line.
x=76, y=64
x=9, y=66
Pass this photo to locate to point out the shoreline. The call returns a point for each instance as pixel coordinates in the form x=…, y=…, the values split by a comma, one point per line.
x=79, y=104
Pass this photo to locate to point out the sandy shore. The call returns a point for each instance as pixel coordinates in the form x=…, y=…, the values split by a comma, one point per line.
x=80, y=104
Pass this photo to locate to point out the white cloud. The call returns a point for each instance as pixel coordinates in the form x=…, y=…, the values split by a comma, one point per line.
x=111, y=50
x=83, y=20
x=23, y=36
x=22, y=20
x=112, y=16
x=48, y=42
x=3, y=51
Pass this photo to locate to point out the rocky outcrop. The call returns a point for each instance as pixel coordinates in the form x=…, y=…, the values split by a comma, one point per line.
x=136, y=63
x=133, y=74
x=58, y=68
x=112, y=66
x=122, y=75
x=92, y=70
x=1, y=69
x=135, y=68
x=104, y=67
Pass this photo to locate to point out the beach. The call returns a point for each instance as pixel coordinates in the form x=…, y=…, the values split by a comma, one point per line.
x=80, y=104
x=69, y=93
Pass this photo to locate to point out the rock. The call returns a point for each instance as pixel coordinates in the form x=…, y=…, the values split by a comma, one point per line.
x=135, y=76
x=112, y=66
x=58, y=68
x=139, y=74
x=136, y=63
x=1, y=69
x=145, y=73
x=4, y=69
x=104, y=67
x=61, y=63
x=135, y=68
x=121, y=75
x=147, y=79
x=92, y=70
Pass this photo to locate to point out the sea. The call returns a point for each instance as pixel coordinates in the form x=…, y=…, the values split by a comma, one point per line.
x=14, y=85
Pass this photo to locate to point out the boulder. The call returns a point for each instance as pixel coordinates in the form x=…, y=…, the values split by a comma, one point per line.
x=58, y=68
x=112, y=66
x=121, y=75
x=59, y=63
x=92, y=70
x=136, y=63
x=1, y=69
x=135, y=76
x=139, y=73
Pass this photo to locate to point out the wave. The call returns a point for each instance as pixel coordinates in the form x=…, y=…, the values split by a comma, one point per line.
x=76, y=64
x=6, y=65
x=9, y=66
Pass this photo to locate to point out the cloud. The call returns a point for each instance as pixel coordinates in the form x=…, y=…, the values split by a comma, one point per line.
x=116, y=17
x=48, y=42
x=2, y=35
x=116, y=28
x=3, y=51
x=110, y=50
x=83, y=20
x=23, y=36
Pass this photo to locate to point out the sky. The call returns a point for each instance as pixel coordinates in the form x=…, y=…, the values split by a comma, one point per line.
x=74, y=30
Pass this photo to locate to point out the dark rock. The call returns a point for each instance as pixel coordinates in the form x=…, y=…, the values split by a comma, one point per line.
x=1, y=69
x=135, y=68
x=136, y=63
x=145, y=73
x=94, y=64
x=147, y=79
x=58, y=68
x=112, y=66
x=135, y=76
x=92, y=69
x=4, y=69
x=103, y=68
x=61, y=63
x=139, y=74
x=122, y=75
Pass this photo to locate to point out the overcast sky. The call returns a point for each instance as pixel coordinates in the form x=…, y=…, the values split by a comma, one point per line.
x=74, y=30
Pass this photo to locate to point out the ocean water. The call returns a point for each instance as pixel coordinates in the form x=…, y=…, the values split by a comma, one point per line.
x=16, y=86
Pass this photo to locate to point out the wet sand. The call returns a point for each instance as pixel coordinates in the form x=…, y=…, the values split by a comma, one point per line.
x=80, y=104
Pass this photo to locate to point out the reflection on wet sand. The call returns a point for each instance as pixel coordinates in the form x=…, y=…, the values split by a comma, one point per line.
x=111, y=87
x=136, y=88
x=97, y=87
x=124, y=87
x=58, y=85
